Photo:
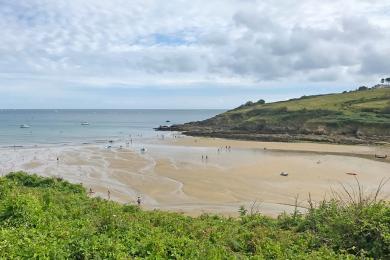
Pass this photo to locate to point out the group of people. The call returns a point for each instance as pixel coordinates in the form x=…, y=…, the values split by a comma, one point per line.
x=162, y=136
x=227, y=148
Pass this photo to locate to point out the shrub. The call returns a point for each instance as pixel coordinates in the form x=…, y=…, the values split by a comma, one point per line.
x=45, y=218
x=34, y=180
x=353, y=229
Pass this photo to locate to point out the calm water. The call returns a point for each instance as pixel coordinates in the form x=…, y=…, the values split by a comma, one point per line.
x=64, y=126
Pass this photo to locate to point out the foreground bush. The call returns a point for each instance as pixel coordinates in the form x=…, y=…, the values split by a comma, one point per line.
x=51, y=218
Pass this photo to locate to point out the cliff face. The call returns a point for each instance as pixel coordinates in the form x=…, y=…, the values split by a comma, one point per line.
x=353, y=117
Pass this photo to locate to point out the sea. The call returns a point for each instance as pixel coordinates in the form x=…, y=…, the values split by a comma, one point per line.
x=65, y=127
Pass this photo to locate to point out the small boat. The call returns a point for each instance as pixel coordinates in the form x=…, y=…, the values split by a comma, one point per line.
x=143, y=150
x=284, y=174
x=24, y=126
x=381, y=156
x=167, y=121
x=351, y=173
x=84, y=123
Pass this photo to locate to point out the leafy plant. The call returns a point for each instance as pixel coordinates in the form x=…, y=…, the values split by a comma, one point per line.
x=53, y=219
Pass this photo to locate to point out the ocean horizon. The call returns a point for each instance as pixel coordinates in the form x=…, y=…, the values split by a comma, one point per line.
x=80, y=126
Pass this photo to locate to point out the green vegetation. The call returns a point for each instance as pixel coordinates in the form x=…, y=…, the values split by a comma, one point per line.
x=51, y=218
x=360, y=114
x=357, y=108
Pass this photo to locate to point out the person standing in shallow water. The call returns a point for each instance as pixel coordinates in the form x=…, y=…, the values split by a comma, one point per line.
x=139, y=201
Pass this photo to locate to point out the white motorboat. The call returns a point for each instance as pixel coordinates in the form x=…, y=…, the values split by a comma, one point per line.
x=84, y=123
x=24, y=126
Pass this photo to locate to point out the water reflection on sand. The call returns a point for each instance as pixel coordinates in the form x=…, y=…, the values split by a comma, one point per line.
x=172, y=175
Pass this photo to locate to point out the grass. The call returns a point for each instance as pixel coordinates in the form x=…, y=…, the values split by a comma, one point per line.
x=364, y=113
x=51, y=218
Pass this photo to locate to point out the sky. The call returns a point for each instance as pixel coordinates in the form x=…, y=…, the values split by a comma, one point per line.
x=187, y=54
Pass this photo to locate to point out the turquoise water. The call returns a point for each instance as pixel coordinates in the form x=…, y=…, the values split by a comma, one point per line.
x=64, y=126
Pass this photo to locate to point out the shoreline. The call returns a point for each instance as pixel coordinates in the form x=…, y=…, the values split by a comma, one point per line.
x=171, y=176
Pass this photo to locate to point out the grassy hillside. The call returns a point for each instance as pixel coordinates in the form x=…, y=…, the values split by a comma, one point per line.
x=363, y=115
x=50, y=218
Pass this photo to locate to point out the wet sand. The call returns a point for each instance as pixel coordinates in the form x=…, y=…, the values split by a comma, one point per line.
x=172, y=175
x=365, y=151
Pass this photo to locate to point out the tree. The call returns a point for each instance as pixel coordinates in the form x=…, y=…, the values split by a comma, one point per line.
x=261, y=102
x=388, y=81
x=382, y=81
x=362, y=88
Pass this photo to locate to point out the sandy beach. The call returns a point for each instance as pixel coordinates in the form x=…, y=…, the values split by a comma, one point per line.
x=172, y=175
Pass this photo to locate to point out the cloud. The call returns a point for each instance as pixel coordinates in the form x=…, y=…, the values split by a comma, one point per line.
x=97, y=43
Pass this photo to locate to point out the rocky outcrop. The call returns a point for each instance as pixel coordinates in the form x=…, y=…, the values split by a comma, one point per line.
x=319, y=137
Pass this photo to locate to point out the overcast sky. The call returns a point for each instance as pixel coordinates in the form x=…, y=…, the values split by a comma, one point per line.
x=186, y=54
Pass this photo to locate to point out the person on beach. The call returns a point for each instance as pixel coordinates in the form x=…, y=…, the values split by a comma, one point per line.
x=109, y=194
x=91, y=191
x=139, y=201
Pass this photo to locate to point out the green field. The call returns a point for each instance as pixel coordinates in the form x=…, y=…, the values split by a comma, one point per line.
x=47, y=218
x=362, y=114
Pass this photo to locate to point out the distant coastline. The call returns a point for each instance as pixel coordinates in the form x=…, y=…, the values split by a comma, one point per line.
x=355, y=117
